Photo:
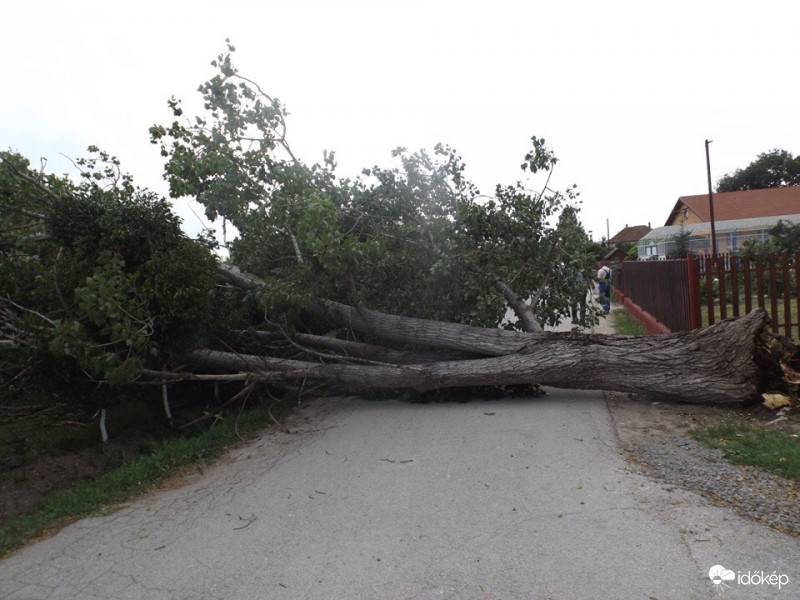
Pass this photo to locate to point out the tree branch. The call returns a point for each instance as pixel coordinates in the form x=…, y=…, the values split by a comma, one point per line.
x=347, y=349
x=237, y=278
x=295, y=246
x=522, y=309
x=34, y=182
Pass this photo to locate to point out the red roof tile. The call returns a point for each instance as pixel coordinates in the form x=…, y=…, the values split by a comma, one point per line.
x=749, y=204
x=630, y=234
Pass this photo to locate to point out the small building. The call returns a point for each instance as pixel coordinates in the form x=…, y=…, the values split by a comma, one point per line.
x=623, y=241
x=738, y=217
x=613, y=256
x=629, y=235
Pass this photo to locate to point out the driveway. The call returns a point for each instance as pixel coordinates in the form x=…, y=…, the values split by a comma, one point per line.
x=503, y=499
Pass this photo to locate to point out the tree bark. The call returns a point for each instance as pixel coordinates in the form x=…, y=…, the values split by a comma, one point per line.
x=726, y=363
x=405, y=330
x=523, y=310
x=423, y=332
x=347, y=349
x=233, y=275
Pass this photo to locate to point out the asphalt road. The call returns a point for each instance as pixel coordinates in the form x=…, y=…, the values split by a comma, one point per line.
x=503, y=499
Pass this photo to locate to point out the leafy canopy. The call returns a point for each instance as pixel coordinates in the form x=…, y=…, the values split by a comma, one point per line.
x=775, y=168
x=414, y=238
x=97, y=280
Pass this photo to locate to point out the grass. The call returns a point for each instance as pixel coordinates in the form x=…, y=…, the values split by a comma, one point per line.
x=625, y=324
x=749, y=444
x=142, y=474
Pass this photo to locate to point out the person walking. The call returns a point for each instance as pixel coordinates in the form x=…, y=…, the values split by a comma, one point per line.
x=604, y=279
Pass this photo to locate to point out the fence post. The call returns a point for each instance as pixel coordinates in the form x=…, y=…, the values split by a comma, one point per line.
x=722, y=287
x=709, y=263
x=797, y=289
x=747, y=265
x=773, y=291
x=693, y=275
x=787, y=295
x=734, y=268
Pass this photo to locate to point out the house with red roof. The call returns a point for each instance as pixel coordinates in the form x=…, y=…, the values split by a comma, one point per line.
x=738, y=217
x=629, y=235
x=622, y=241
x=733, y=206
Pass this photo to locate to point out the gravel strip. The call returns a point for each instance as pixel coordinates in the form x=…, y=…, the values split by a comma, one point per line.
x=749, y=491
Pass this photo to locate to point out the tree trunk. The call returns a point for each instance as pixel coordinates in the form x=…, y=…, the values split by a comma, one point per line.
x=725, y=363
x=423, y=332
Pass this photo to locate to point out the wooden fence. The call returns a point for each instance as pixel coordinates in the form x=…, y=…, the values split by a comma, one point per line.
x=696, y=292
x=731, y=286
x=660, y=288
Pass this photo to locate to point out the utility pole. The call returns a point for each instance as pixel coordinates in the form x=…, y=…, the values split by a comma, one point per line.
x=711, y=203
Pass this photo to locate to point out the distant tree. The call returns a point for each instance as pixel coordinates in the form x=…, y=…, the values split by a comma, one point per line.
x=682, y=243
x=775, y=168
x=625, y=246
x=597, y=250
x=784, y=238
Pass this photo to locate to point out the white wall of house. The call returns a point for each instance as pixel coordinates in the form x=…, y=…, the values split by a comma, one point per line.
x=731, y=235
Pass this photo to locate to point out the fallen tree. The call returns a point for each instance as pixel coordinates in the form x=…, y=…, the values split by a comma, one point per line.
x=686, y=366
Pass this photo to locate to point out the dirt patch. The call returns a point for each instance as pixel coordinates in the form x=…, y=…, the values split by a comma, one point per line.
x=637, y=417
x=23, y=487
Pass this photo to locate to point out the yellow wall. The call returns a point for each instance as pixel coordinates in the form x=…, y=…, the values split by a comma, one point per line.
x=685, y=216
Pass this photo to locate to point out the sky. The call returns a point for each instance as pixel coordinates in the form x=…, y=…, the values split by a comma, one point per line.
x=624, y=92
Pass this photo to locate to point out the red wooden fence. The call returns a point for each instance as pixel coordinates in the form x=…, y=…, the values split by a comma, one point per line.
x=690, y=293
x=660, y=288
x=731, y=286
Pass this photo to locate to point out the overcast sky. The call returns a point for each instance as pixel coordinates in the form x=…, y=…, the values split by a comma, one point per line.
x=625, y=93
